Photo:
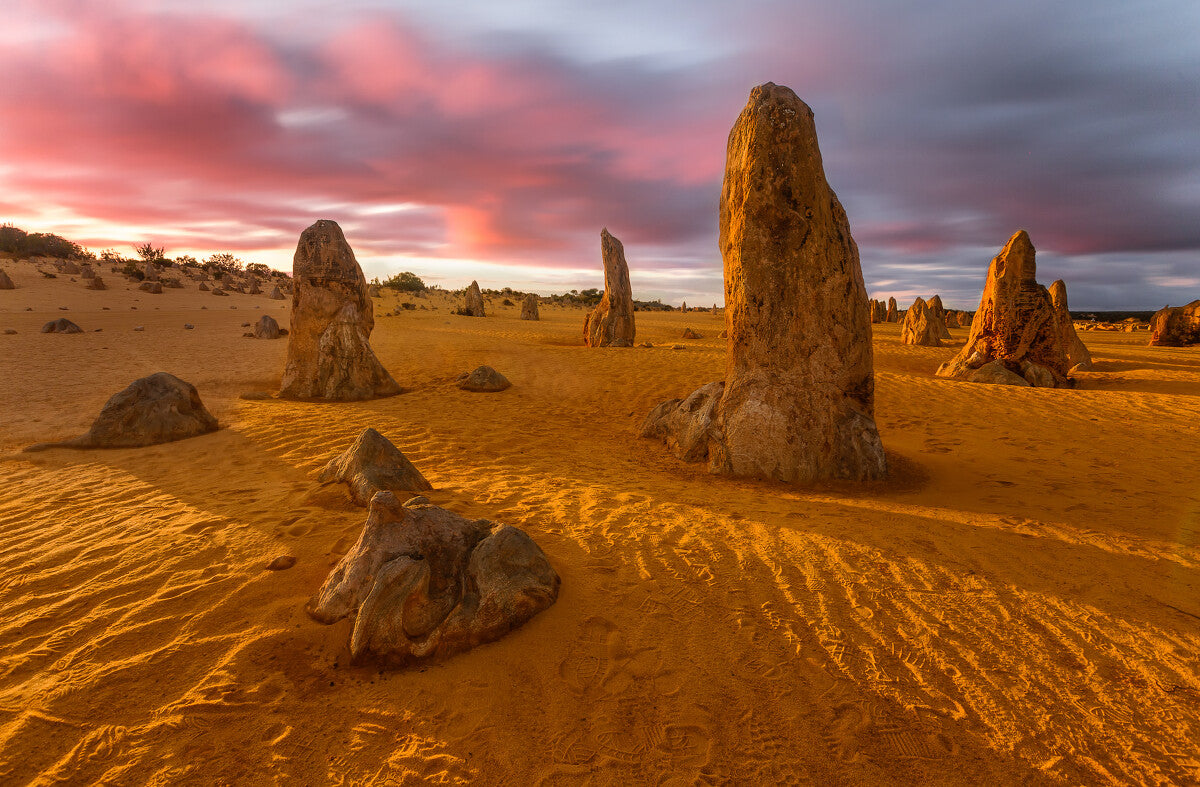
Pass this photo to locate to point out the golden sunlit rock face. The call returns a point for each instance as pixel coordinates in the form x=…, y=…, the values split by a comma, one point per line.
x=611, y=323
x=329, y=349
x=797, y=401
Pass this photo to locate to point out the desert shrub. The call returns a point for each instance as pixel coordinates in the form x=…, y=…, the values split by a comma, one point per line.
x=150, y=254
x=405, y=281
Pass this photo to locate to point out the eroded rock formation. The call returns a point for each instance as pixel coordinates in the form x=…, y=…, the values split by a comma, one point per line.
x=267, y=328
x=891, y=315
x=6, y=283
x=529, y=307
x=372, y=464
x=1078, y=355
x=329, y=349
x=1016, y=323
x=424, y=582
x=797, y=402
x=937, y=313
x=160, y=408
x=1176, y=326
x=473, y=304
x=610, y=324
x=61, y=325
x=921, y=326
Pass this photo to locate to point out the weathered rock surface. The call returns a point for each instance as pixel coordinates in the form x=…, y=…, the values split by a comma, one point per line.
x=203, y=287
x=423, y=582
x=921, y=326
x=267, y=328
x=878, y=311
x=152, y=287
x=1176, y=326
x=6, y=282
x=484, y=379
x=1016, y=321
x=61, y=325
x=96, y=283
x=996, y=373
x=797, y=402
x=891, y=315
x=473, y=302
x=329, y=350
x=151, y=272
x=529, y=307
x=160, y=408
x=610, y=324
x=1078, y=354
x=688, y=333
x=937, y=313
x=275, y=295
x=254, y=288
x=372, y=464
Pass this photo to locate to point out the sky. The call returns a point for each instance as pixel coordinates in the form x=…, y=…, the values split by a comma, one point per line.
x=493, y=140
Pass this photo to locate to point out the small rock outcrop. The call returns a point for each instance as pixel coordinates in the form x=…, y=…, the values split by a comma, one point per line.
x=878, y=311
x=529, y=307
x=61, y=325
x=473, y=302
x=203, y=287
x=1078, y=355
x=1016, y=323
x=372, y=464
x=484, y=379
x=95, y=283
x=1176, y=326
x=688, y=333
x=329, y=349
x=6, y=282
x=160, y=408
x=254, y=288
x=610, y=324
x=921, y=326
x=891, y=315
x=275, y=295
x=423, y=582
x=152, y=287
x=797, y=403
x=267, y=328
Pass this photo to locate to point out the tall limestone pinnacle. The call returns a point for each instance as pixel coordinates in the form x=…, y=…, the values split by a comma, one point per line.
x=797, y=402
x=1016, y=329
x=329, y=351
x=610, y=324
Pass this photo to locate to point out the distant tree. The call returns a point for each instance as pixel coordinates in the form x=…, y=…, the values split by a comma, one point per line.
x=258, y=269
x=150, y=254
x=112, y=256
x=222, y=262
x=406, y=281
x=12, y=239
x=47, y=245
x=187, y=261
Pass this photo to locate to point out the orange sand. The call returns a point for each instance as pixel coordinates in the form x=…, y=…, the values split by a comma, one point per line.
x=1020, y=603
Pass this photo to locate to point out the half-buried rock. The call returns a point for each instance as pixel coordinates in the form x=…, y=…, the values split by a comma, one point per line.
x=61, y=325
x=160, y=408
x=266, y=328
x=798, y=400
x=424, y=582
x=5, y=282
x=1016, y=324
x=329, y=349
x=921, y=326
x=373, y=465
x=610, y=324
x=484, y=379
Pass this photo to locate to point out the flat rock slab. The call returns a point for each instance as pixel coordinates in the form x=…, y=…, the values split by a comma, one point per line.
x=423, y=582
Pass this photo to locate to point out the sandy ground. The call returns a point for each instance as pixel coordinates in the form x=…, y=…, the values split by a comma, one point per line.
x=1019, y=603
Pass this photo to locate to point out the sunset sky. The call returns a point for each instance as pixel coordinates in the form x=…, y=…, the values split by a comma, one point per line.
x=493, y=140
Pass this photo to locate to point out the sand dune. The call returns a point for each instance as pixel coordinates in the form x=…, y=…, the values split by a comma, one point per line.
x=1018, y=603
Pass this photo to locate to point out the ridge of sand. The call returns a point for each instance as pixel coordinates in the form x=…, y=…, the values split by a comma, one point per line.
x=1018, y=604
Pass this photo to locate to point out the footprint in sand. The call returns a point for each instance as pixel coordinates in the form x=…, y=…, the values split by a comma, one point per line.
x=587, y=663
